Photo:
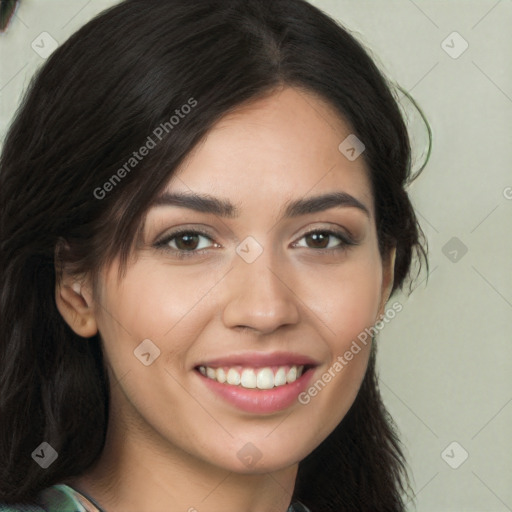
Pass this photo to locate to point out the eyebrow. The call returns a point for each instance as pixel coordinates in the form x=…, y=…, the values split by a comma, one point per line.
x=208, y=204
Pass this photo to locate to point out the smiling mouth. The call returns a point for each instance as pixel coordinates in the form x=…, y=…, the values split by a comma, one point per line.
x=262, y=378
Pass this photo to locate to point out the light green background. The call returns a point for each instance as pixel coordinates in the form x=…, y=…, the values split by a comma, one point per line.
x=445, y=360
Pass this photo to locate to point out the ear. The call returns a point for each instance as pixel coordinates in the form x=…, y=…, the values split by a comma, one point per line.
x=75, y=304
x=388, y=274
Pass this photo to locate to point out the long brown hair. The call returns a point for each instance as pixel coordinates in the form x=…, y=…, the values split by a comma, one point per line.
x=94, y=102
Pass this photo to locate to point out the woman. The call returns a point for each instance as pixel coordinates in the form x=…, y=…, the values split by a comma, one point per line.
x=203, y=217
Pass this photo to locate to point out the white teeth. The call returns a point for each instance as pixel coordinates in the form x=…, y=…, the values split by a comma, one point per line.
x=221, y=375
x=291, y=376
x=280, y=377
x=252, y=378
x=233, y=377
x=248, y=379
x=266, y=378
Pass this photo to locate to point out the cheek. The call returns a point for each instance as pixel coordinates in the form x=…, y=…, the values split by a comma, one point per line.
x=345, y=299
x=166, y=305
x=156, y=299
x=162, y=303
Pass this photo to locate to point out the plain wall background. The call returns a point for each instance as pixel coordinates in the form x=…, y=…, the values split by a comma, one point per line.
x=446, y=359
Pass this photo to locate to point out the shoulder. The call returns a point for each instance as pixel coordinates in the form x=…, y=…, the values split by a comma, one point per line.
x=20, y=508
x=297, y=506
x=57, y=498
x=61, y=498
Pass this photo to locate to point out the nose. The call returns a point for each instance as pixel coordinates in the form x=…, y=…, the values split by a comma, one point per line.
x=259, y=296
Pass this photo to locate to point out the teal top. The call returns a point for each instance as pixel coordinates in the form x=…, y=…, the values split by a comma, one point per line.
x=63, y=498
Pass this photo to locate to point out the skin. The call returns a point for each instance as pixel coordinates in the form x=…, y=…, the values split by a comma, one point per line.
x=171, y=443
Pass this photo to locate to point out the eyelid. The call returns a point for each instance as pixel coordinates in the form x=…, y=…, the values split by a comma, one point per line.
x=164, y=240
x=345, y=236
x=346, y=242
x=337, y=229
x=172, y=232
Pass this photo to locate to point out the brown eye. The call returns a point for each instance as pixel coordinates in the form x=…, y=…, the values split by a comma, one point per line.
x=318, y=239
x=327, y=240
x=187, y=241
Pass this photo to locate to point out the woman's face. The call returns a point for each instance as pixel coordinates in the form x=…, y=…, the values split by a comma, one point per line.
x=252, y=290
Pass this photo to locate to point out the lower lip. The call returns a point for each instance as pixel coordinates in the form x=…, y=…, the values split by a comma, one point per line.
x=260, y=401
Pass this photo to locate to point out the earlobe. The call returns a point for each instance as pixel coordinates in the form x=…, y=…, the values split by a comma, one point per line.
x=388, y=274
x=76, y=307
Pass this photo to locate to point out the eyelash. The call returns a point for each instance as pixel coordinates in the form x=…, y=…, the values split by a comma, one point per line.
x=181, y=254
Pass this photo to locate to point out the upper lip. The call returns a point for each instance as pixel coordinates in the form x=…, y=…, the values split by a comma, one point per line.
x=257, y=359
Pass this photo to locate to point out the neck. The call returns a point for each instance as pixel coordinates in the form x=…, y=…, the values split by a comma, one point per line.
x=135, y=473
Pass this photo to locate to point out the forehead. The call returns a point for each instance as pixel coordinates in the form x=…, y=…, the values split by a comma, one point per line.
x=283, y=146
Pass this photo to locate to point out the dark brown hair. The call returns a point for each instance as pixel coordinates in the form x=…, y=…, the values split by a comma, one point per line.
x=94, y=102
